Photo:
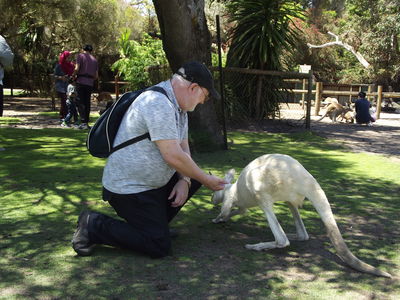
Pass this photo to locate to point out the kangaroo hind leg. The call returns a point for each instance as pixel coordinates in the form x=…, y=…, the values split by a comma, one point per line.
x=301, y=232
x=281, y=240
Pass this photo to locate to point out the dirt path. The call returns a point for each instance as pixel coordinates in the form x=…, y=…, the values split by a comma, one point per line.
x=28, y=110
x=382, y=138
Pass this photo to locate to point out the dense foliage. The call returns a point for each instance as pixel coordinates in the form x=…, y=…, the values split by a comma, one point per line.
x=371, y=27
x=39, y=30
x=259, y=34
x=136, y=57
x=263, y=30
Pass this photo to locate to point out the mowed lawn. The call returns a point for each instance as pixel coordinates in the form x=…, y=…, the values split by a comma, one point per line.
x=47, y=177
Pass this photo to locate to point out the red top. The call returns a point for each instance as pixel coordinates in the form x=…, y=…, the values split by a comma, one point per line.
x=66, y=66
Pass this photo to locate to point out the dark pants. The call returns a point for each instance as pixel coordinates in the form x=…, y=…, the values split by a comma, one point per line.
x=63, y=105
x=83, y=101
x=365, y=119
x=71, y=111
x=1, y=100
x=147, y=215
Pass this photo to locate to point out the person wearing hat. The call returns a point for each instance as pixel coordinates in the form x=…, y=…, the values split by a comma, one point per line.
x=86, y=72
x=362, y=107
x=148, y=182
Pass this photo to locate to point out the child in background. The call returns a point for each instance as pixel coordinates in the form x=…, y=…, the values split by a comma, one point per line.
x=71, y=105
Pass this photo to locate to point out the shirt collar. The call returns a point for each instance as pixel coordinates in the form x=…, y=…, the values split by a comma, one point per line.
x=167, y=86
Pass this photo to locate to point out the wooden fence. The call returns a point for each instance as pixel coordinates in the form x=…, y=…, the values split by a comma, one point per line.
x=319, y=93
x=307, y=90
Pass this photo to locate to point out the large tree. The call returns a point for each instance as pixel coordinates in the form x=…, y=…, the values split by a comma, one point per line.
x=373, y=27
x=186, y=37
x=372, y=30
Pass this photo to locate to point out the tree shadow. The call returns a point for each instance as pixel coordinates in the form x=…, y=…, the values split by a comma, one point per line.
x=48, y=178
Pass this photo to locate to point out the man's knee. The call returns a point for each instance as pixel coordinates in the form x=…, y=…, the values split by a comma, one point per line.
x=160, y=247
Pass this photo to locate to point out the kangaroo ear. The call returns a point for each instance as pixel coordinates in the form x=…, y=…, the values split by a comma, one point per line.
x=230, y=175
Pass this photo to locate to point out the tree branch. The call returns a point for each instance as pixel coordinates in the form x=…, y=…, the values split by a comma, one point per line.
x=337, y=42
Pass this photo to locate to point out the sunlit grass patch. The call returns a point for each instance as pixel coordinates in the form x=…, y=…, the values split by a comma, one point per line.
x=47, y=177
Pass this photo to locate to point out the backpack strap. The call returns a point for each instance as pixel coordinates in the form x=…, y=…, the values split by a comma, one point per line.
x=143, y=136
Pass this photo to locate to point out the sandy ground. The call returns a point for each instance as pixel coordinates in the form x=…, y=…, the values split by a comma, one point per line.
x=382, y=138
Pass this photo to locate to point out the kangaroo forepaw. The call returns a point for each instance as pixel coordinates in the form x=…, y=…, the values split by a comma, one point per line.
x=296, y=237
x=218, y=220
x=266, y=246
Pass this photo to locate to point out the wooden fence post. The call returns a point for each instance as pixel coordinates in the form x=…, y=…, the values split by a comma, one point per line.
x=309, y=96
x=351, y=89
x=12, y=84
x=116, y=87
x=303, y=95
x=318, y=93
x=369, y=92
x=379, y=102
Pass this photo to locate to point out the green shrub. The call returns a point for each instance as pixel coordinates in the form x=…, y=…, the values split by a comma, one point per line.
x=136, y=57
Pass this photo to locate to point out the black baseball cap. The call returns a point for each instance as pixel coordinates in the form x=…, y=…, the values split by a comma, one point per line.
x=197, y=72
x=88, y=48
x=362, y=94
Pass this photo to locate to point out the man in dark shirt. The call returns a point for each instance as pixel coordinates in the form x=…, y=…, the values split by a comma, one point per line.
x=86, y=72
x=362, y=110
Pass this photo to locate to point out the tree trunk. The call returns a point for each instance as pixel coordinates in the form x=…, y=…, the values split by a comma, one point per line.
x=186, y=38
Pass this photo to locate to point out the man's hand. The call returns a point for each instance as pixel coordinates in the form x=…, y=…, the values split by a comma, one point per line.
x=180, y=192
x=181, y=161
x=214, y=183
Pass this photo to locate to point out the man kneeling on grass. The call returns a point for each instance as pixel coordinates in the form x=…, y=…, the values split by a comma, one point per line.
x=147, y=183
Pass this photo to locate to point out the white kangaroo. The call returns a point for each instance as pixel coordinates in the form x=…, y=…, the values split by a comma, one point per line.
x=277, y=177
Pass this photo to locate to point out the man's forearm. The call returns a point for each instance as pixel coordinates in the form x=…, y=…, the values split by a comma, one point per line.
x=184, y=165
x=176, y=156
x=76, y=69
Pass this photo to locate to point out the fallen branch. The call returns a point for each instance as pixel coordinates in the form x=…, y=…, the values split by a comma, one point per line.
x=337, y=42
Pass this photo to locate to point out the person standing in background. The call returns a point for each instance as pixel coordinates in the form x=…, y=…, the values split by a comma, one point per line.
x=6, y=60
x=62, y=72
x=86, y=72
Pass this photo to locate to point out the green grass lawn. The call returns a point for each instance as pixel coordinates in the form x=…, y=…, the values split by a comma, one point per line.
x=7, y=121
x=47, y=177
x=55, y=115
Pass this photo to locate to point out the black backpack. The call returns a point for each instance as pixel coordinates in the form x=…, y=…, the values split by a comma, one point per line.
x=101, y=136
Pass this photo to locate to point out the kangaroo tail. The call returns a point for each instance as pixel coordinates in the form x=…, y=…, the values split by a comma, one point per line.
x=321, y=204
x=325, y=114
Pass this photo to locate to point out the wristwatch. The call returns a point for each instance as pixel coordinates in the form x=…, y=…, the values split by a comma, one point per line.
x=187, y=179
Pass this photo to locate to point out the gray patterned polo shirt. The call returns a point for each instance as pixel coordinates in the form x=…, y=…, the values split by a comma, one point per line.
x=140, y=167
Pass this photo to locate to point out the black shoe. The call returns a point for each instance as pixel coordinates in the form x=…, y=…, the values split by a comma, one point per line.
x=80, y=240
x=173, y=233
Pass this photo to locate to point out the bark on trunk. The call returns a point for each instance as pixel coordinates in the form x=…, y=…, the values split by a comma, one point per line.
x=186, y=38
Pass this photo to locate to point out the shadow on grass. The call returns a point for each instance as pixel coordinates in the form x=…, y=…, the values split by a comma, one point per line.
x=47, y=178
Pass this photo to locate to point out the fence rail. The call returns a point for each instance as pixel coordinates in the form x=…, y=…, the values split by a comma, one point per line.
x=319, y=92
x=298, y=88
